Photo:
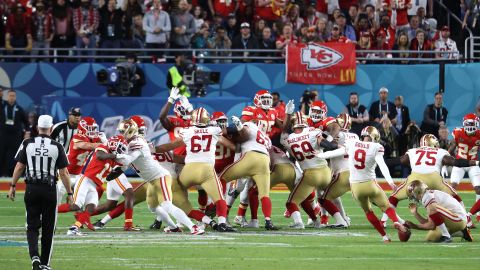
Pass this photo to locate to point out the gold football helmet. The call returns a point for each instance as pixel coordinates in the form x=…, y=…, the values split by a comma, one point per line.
x=128, y=128
x=372, y=132
x=200, y=117
x=299, y=120
x=429, y=140
x=344, y=121
x=415, y=190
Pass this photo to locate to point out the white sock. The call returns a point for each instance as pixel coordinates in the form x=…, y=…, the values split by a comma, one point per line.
x=206, y=219
x=244, y=195
x=177, y=213
x=106, y=219
x=444, y=230
x=297, y=218
x=400, y=220
x=222, y=220
x=339, y=219
x=162, y=215
x=384, y=218
x=338, y=203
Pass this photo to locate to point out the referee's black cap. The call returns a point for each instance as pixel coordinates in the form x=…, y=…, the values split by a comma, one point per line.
x=75, y=111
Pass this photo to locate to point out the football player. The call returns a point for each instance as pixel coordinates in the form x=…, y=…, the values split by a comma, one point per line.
x=363, y=157
x=303, y=144
x=83, y=143
x=102, y=161
x=445, y=214
x=426, y=162
x=159, y=179
x=466, y=140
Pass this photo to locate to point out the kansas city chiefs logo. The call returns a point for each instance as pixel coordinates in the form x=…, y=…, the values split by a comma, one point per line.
x=317, y=57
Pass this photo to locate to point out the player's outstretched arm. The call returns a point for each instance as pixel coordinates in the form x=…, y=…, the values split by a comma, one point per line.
x=85, y=145
x=460, y=162
x=169, y=146
x=385, y=171
x=101, y=155
x=451, y=147
x=166, y=123
x=332, y=154
x=226, y=142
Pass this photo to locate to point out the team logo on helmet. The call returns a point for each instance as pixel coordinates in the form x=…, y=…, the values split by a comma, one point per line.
x=263, y=99
x=128, y=128
x=88, y=127
x=200, y=117
x=429, y=140
x=471, y=123
x=372, y=132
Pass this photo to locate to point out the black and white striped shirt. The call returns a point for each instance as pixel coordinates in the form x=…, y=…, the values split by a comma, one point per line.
x=42, y=157
x=62, y=132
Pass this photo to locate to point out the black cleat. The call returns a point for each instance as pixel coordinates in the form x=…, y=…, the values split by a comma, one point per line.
x=98, y=225
x=223, y=227
x=36, y=263
x=466, y=235
x=269, y=226
x=214, y=225
x=156, y=225
x=444, y=239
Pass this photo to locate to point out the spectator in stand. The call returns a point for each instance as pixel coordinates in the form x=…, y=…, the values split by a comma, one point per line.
x=197, y=16
x=232, y=27
x=347, y=30
x=18, y=31
x=200, y=41
x=311, y=36
x=352, y=15
x=264, y=10
x=131, y=8
x=222, y=7
x=216, y=22
x=413, y=27
x=358, y=113
x=382, y=107
x=42, y=29
x=138, y=34
x=472, y=13
x=156, y=24
x=221, y=41
x=446, y=44
x=266, y=43
x=293, y=18
x=402, y=45
x=259, y=26
x=322, y=30
x=385, y=25
x=443, y=137
x=401, y=7
x=431, y=31
x=335, y=34
x=434, y=116
x=310, y=18
x=85, y=23
x=183, y=26
x=332, y=5
x=402, y=122
x=371, y=12
x=246, y=41
x=413, y=133
x=423, y=21
x=321, y=8
x=64, y=36
x=362, y=25
x=364, y=45
x=31, y=128
x=381, y=44
x=286, y=38
x=388, y=137
x=111, y=28
x=420, y=43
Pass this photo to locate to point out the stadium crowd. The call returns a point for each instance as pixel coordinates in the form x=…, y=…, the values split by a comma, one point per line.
x=219, y=24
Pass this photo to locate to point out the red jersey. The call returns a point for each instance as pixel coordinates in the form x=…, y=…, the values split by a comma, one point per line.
x=178, y=124
x=323, y=124
x=96, y=169
x=280, y=108
x=314, y=124
x=223, y=8
x=77, y=157
x=402, y=12
x=467, y=146
x=223, y=157
x=265, y=120
x=266, y=12
x=390, y=35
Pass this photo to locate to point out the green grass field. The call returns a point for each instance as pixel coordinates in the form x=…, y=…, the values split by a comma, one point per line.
x=359, y=247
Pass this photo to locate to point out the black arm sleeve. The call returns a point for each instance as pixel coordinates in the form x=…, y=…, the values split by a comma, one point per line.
x=114, y=174
x=461, y=163
x=232, y=130
x=328, y=146
x=62, y=160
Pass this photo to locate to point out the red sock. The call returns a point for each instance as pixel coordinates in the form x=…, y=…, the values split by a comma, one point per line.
x=202, y=199
x=475, y=208
x=100, y=191
x=63, y=208
x=128, y=217
x=311, y=197
x=457, y=198
x=224, y=186
x=393, y=201
x=307, y=207
x=196, y=214
x=391, y=214
x=266, y=207
x=376, y=223
x=253, y=200
x=291, y=207
x=329, y=206
x=117, y=211
x=242, y=209
x=221, y=208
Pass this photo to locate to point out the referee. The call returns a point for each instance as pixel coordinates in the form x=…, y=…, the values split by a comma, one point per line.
x=40, y=157
x=63, y=132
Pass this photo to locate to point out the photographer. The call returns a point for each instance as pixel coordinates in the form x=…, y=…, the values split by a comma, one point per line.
x=139, y=77
x=175, y=75
x=131, y=80
x=306, y=100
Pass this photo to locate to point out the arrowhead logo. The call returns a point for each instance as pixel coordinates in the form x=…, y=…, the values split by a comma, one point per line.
x=317, y=57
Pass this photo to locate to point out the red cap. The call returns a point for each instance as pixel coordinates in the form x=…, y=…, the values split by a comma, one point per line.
x=445, y=28
x=381, y=33
x=365, y=34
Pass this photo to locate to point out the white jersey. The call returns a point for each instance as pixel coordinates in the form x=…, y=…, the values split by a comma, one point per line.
x=166, y=161
x=426, y=159
x=304, y=147
x=145, y=164
x=257, y=140
x=361, y=159
x=340, y=164
x=446, y=45
x=445, y=201
x=201, y=143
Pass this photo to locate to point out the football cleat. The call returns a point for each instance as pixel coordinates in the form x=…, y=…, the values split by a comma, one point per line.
x=84, y=219
x=318, y=225
x=223, y=227
x=470, y=224
x=156, y=225
x=98, y=225
x=309, y=222
x=297, y=225
x=466, y=235
x=129, y=228
x=36, y=263
x=444, y=239
x=253, y=224
x=386, y=239
x=269, y=226
x=45, y=267
x=196, y=231
x=213, y=224
x=174, y=230
x=73, y=231
x=348, y=220
x=242, y=221
x=337, y=226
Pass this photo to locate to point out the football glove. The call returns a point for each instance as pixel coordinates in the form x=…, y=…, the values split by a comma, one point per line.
x=290, y=107
x=238, y=124
x=174, y=94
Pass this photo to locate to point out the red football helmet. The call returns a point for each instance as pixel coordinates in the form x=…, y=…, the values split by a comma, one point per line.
x=220, y=118
x=318, y=111
x=263, y=99
x=117, y=144
x=470, y=123
x=181, y=110
x=88, y=127
x=142, y=128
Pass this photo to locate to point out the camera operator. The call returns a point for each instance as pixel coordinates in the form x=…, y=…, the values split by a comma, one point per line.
x=175, y=75
x=139, y=77
x=131, y=86
x=306, y=100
